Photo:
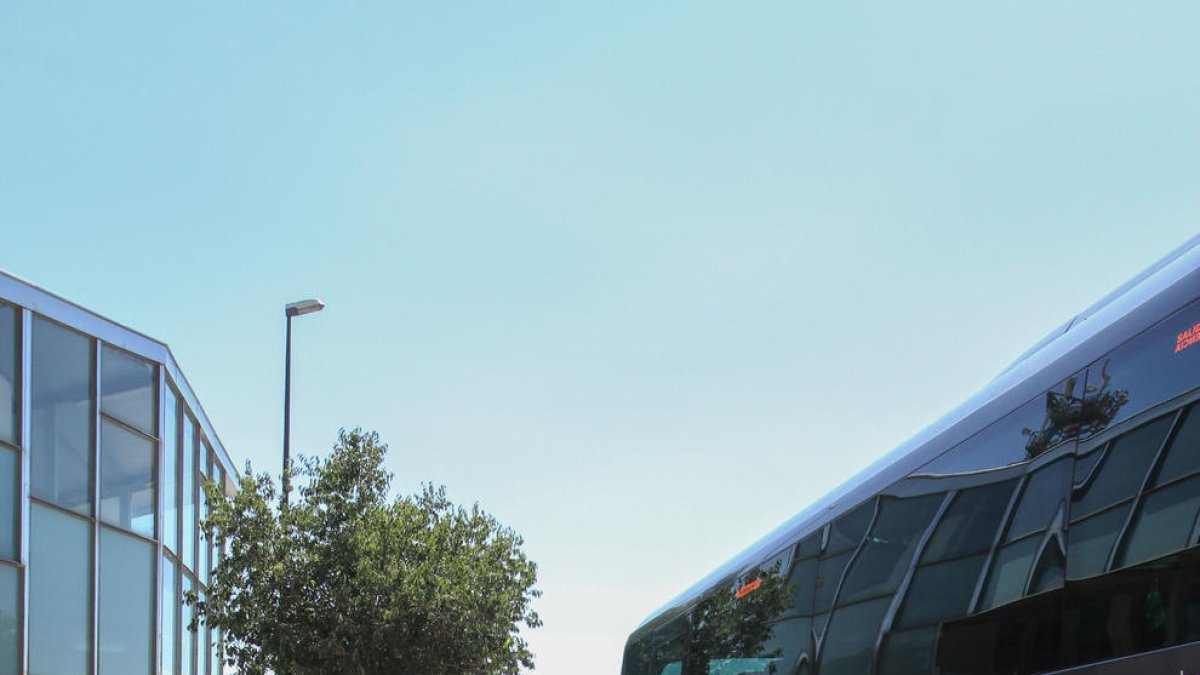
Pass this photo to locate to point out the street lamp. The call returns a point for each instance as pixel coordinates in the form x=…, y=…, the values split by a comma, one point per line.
x=294, y=309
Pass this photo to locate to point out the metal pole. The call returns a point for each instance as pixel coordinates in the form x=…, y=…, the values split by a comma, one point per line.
x=287, y=412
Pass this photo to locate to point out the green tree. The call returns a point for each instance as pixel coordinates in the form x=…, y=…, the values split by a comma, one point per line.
x=345, y=580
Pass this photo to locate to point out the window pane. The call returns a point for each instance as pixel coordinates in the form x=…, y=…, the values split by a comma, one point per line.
x=10, y=619
x=1122, y=469
x=187, y=487
x=1044, y=493
x=202, y=506
x=10, y=494
x=214, y=667
x=61, y=424
x=850, y=642
x=126, y=479
x=969, y=525
x=8, y=374
x=204, y=652
x=793, y=639
x=170, y=488
x=847, y=532
x=1183, y=457
x=941, y=591
x=1010, y=571
x=126, y=604
x=809, y=547
x=890, y=548
x=908, y=652
x=1164, y=523
x=1049, y=572
x=60, y=592
x=1089, y=542
x=1147, y=370
x=129, y=390
x=804, y=578
x=170, y=610
x=1002, y=443
x=829, y=573
x=187, y=651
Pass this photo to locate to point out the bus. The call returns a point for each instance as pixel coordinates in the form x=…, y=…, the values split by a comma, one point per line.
x=1046, y=525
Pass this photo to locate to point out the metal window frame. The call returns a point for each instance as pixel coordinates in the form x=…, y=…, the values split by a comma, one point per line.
x=97, y=423
x=159, y=524
x=25, y=347
x=31, y=304
x=45, y=304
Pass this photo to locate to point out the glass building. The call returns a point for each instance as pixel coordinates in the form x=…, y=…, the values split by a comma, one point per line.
x=103, y=453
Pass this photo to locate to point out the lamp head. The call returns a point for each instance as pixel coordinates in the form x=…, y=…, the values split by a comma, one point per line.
x=304, y=307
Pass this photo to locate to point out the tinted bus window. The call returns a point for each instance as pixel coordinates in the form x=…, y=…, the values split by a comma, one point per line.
x=1122, y=469
x=1149, y=369
x=1044, y=493
x=846, y=533
x=969, y=526
x=941, y=591
x=889, y=549
x=1183, y=455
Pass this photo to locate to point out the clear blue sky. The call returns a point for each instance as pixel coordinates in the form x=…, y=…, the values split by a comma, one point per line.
x=643, y=279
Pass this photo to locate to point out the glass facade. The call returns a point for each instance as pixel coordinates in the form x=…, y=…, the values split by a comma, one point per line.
x=103, y=450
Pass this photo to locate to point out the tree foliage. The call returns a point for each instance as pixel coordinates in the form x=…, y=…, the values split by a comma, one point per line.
x=346, y=580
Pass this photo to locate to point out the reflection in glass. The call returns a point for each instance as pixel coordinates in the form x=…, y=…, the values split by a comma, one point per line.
x=1164, y=522
x=187, y=650
x=1000, y=444
x=792, y=639
x=850, y=640
x=1070, y=416
x=1043, y=495
x=1122, y=469
x=729, y=632
x=170, y=487
x=203, y=646
x=908, y=652
x=127, y=478
x=1148, y=368
x=660, y=652
x=129, y=390
x=126, y=604
x=1049, y=572
x=214, y=655
x=889, y=549
x=819, y=622
x=10, y=616
x=846, y=533
x=8, y=375
x=10, y=493
x=60, y=593
x=61, y=416
x=969, y=525
x=829, y=574
x=803, y=580
x=1183, y=457
x=1010, y=571
x=1085, y=464
x=941, y=591
x=1089, y=542
x=170, y=608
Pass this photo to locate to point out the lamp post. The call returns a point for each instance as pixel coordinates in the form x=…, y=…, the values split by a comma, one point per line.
x=294, y=309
